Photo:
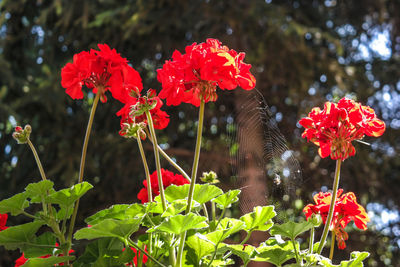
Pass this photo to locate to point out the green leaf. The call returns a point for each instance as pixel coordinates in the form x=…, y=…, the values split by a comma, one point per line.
x=202, y=192
x=277, y=254
x=48, y=239
x=18, y=236
x=201, y=245
x=14, y=205
x=67, y=197
x=50, y=261
x=110, y=228
x=120, y=212
x=226, y=200
x=103, y=252
x=39, y=190
x=229, y=226
x=356, y=260
x=259, y=219
x=291, y=229
x=180, y=223
x=245, y=252
x=175, y=208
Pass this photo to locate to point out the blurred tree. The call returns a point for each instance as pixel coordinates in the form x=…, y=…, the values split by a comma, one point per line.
x=303, y=53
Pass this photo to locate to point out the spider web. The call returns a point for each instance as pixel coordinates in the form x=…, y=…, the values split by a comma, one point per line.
x=258, y=144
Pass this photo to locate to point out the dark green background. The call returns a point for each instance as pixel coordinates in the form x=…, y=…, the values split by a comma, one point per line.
x=292, y=45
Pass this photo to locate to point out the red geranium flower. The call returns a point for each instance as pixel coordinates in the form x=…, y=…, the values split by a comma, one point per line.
x=168, y=178
x=137, y=255
x=337, y=125
x=3, y=221
x=105, y=70
x=22, y=260
x=137, y=105
x=346, y=209
x=194, y=76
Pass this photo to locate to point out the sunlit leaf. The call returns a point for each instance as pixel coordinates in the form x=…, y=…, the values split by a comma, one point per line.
x=291, y=229
x=67, y=197
x=180, y=223
x=227, y=199
x=110, y=228
x=259, y=219
x=120, y=212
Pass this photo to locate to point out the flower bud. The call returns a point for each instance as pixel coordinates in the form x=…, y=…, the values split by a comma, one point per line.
x=316, y=220
x=22, y=135
x=209, y=177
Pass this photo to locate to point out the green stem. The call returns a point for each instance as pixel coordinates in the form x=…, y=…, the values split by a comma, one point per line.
x=83, y=159
x=213, y=211
x=331, y=208
x=193, y=177
x=168, y=158
x=157, y=159
x=205, y=211
x=146, y=169
x=332, y=246
x=131, y=243
x=39, y=164
x=30, y=215
x=296, y=252
x=311, y=244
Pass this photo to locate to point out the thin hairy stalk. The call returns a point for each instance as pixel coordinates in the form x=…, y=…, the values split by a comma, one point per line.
x=146, y=169
x=193, y=177
x=133, y=244
x=295, y=251
x=241, y=243
x=168, y=158
x=39, y=164
x=213, y=214
x=331, y=208
x=205, y=211
x=157, y=159
x=332, y=246
x=83, y=159
x=311, y=244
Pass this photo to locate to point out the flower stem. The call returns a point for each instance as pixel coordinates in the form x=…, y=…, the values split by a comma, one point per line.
x=193, y=178
x=83, y=159
x=146, y=169
x=296, y=252
x=311, y=244
x=171, y=161
x=331, y=208
x=39, y=164
x=157, y=159
x=332, y=246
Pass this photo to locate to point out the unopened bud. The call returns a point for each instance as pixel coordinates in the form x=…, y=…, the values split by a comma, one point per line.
x=28, y=128
x=22, y=135
x=209, y=177
x=316, y=220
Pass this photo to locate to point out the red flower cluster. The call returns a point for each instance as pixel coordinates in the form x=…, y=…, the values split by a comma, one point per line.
x=3, y=221
x=137, y=255
x=137, y=106
x=337, y=125
x=168, y=178
x=100, y=70
x=346, y=209
x=193, y=76
x=22, y=260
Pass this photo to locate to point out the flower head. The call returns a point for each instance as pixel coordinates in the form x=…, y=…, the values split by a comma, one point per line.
x=346, y=210
x=3, y=221
x=337, y=125
x=133, y=115
x=195, y=75
x=168, y=178
x=100, y=70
